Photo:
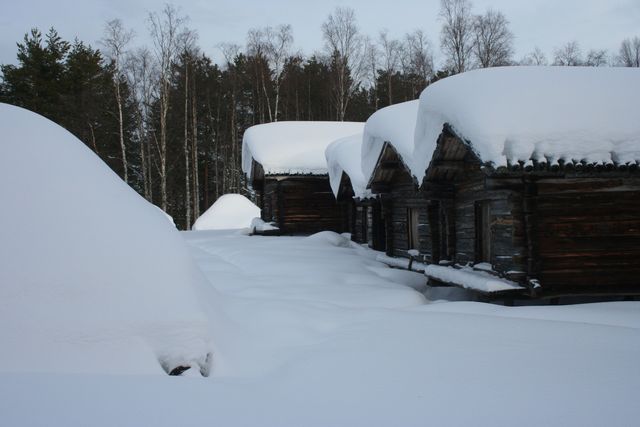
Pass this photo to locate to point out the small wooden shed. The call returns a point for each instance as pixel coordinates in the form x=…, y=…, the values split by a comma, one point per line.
x=286, y=167
x=362, y=213
x=387, y=145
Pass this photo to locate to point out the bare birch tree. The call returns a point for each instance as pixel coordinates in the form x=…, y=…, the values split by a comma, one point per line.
x=279, y=42
x=493, y=41
x=420, y=55
x=629, y=54
x=188, y=49
x=456, y=35
x=371, y=63
x=230, y=52
x=165, y=28
x=345, y=47
x=116, y=39
x=390, y=50
x=140, y=68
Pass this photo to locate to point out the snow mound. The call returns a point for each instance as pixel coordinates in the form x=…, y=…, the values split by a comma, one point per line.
x=546, y=114
x=258, y=225
x=229, y=212
x=331, y=238
x=344, y=155
x=292, y=147
x=92, y=277
x=394, y=124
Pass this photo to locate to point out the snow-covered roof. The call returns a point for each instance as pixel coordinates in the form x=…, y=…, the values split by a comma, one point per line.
x=230, y=211
x=91, y=274
x=292, y=147
x=546, y=114
x=344, y=155
x=394, y=124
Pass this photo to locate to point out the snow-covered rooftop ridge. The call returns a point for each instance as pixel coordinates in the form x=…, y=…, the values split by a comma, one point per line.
x=546, y=114
x=394, y=124
x=343, y=155
x=292, y=147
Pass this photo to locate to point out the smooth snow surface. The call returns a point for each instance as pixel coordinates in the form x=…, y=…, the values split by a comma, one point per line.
x=396, y=125
x=93, y=278
x=546, y=114
x=469, y=278
x=230, y=211
x=292, y=147
x=324, y=335
x=344, y=155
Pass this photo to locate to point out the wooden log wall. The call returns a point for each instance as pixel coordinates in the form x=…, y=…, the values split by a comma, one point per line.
x=588, y=235
x=403, y=196
x=303, y=205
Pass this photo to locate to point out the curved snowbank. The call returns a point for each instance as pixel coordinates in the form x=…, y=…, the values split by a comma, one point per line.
x=514, y=114
x=292, y=147
x=92, y=277
x=344, y=155
x=230, y=211
x=394, y=124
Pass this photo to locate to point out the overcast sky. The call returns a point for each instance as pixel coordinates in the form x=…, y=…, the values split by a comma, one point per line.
x=600, y=24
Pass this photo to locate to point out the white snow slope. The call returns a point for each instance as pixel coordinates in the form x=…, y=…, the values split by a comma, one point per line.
x=396, y=125
x=343, y=155
x=326, y=336
x=545, y=114
x=292, y=147
x=230, y=211
x=93, y=278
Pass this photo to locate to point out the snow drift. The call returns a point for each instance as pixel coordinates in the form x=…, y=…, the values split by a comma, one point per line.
x=230, y=211
x=292, y=147
x=93, y=278
x=546, y=114
x=343, y=155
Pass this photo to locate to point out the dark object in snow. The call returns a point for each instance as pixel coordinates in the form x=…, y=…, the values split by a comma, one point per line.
x=403, y=209
x=362, y=217
x=178, y=370
x=297, y=204
x=561, y=229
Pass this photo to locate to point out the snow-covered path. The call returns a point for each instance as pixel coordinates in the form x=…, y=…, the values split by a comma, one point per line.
x=326, y=336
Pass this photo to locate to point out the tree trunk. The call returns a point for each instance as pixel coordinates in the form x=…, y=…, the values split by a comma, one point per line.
x=194, y=151
x=187, y=172
x=123, y=149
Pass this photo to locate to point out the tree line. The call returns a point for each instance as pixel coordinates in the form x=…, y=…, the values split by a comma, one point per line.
x=170, y=121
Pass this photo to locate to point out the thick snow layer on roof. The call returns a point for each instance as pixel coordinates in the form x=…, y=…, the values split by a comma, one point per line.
x=516, y=114
x=230, y=211
x=93, y=278
x=344, y=155
x=292, y=147
x=394, y=124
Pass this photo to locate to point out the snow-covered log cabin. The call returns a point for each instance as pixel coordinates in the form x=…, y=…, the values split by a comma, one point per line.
x=386, y=156
x=534, y=171
x=286, y=166
x=362, y=213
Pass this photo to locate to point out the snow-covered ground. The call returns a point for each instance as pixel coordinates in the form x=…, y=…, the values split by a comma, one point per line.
x=321, y=334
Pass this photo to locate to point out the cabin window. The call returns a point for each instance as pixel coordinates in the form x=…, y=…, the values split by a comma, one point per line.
x=413, y=221
x=483, y=231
